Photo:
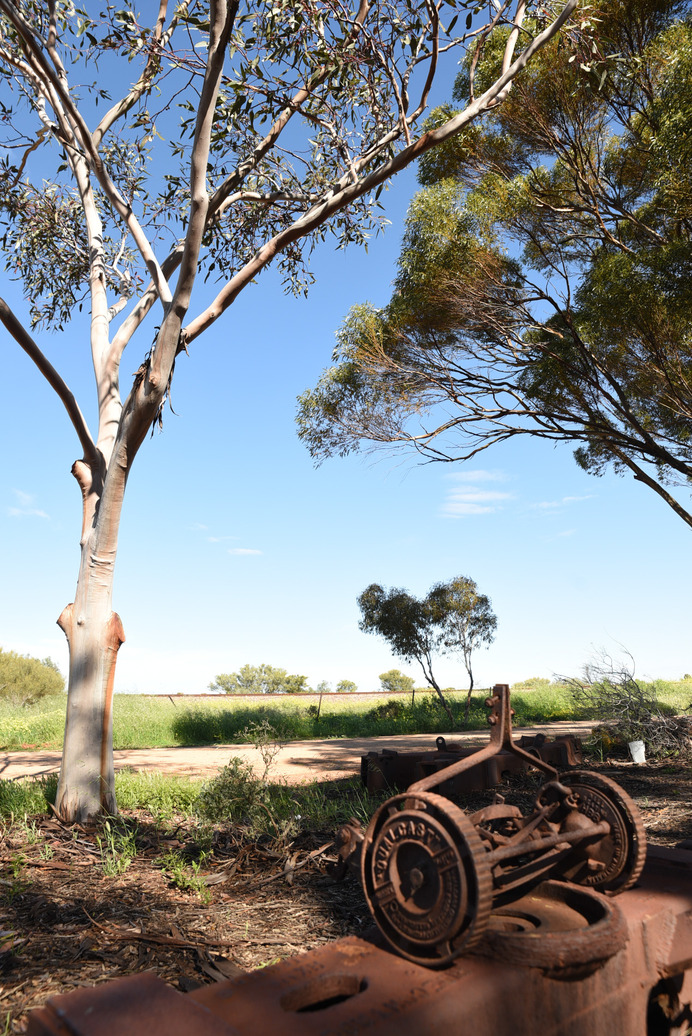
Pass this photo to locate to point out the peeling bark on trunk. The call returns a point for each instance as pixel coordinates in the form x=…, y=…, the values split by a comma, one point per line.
x=94, y=634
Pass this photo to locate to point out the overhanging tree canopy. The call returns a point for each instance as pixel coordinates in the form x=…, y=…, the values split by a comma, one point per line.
x=217, y=138
x=544, y=284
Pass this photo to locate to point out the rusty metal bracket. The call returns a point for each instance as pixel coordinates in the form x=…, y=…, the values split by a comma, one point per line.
x=500, y=720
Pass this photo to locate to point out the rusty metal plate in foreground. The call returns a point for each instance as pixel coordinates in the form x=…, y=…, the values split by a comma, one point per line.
x=355, y=987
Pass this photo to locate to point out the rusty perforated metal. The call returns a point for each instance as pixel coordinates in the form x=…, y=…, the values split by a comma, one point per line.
x=355, y=986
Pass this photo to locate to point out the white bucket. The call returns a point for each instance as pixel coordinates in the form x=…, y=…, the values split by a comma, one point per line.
x=637, y=751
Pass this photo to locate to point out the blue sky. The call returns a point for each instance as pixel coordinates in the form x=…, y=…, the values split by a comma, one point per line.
x=235, y=549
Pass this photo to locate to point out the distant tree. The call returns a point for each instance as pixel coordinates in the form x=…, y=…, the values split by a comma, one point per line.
x=467, y=619
x=262, y=679
x=346, y=687
x=396, y=682
x=412, y=628
x=25, y=680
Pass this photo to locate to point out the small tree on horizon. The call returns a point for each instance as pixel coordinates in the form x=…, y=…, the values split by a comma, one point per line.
x=452, y=617
x=396, y=682
x=467, y=618
x=261, y=679
x=410, y=626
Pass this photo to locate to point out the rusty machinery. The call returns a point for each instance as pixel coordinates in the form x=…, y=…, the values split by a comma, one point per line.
x=551, y=956
x=389, y=769
x=432, y=875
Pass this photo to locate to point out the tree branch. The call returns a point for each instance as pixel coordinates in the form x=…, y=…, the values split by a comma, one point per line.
x=24, y=339
x=126, y=103
x=233, y=182
x=347, y=192
x=60, y=97
x=641, y=476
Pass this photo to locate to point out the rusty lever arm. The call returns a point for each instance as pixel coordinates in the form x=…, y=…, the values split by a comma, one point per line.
x=507, y=852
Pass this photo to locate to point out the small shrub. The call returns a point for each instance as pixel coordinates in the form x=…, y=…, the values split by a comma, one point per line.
x=629, y=710
x=391, y=709
x=234, y=794
x=25, y=680
x=266, y=740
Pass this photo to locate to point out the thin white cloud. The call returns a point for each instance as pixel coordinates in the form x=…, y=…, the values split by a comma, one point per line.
x=469, y=497
x=557, y=505
x=25, y=510
x=243, y=551
x=220, y=539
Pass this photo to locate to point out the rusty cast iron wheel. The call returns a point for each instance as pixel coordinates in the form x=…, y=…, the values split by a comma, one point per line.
x=426, y=878
x=614, y=862
x=556, y=927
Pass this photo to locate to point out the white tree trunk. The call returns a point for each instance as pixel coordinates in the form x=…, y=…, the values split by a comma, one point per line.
x=94, y=635
x=87, y=779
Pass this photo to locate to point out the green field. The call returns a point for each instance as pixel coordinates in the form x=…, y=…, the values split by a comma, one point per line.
x=150, y=722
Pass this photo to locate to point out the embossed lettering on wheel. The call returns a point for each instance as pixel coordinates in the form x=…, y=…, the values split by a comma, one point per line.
x=425, y=877
x=418, y=878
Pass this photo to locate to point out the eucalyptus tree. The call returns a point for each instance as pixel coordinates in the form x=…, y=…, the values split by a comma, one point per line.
x=452, y=617
x=468, y=620
x=260, y=679
x=413, y=628
x=215, y=138
x=544, y=282
x=396, y=682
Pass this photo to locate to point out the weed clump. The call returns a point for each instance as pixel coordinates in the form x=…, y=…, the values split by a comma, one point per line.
x=391, y=709
x=628, y=710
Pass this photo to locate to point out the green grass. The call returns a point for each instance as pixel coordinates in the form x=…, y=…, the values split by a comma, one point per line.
x=162, y=796
x=142, y=722
x=234, y=796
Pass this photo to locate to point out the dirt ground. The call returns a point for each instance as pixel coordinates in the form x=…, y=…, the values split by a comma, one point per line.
x=296, y=761
x=64, y=923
